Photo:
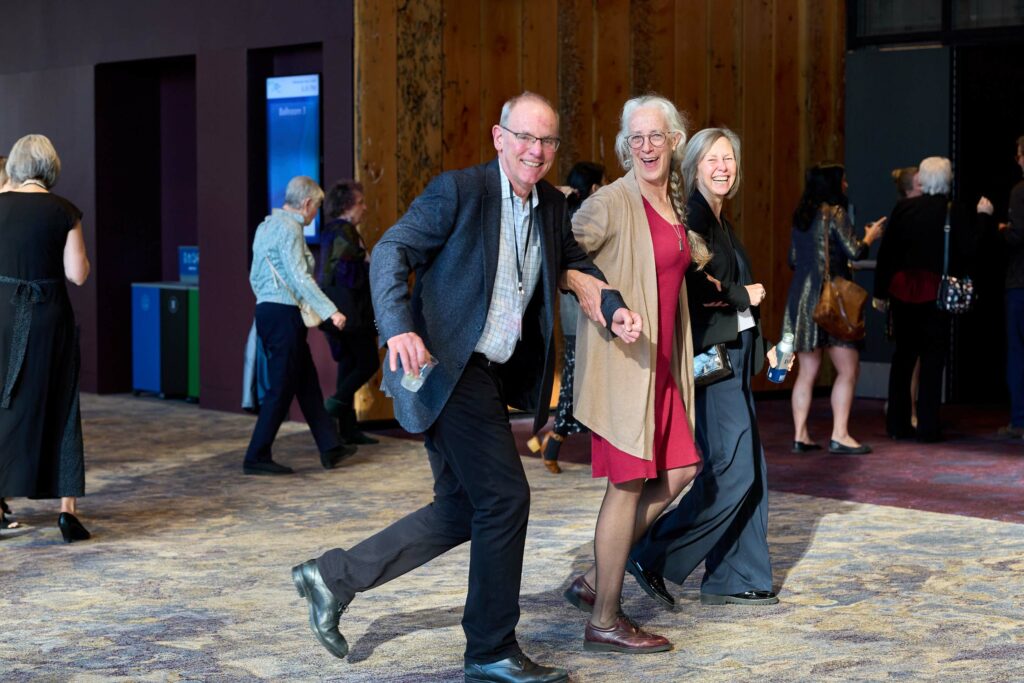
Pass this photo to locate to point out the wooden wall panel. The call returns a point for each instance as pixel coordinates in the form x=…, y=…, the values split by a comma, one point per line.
x=770, y=69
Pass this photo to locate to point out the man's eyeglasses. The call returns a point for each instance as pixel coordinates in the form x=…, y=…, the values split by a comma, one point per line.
x=528, y=140
x=657, y=140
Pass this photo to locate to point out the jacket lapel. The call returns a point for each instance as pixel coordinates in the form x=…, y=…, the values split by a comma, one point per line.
x=490, y=225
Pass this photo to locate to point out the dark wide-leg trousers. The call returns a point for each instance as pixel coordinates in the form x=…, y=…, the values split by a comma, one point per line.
x=357, y=362
x=480, y=494
x=290, y=374
x=919, y=331
x=723, y=520
x=1015, y=353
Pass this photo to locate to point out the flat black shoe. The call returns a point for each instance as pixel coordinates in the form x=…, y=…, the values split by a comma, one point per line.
x=801, y=447
x=653, y=584
x=71, y=529
x=515, y=669
x=330, y=458
x=324, y=608
x=744, y=598
x=839, y=449
x=265, y=467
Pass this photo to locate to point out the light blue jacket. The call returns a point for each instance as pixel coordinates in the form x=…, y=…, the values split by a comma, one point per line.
x=279, y=238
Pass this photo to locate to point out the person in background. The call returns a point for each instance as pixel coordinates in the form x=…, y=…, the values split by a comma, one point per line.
x=584, y=179
x=1013, y=235
x=281, y=277
x=906, y=282
x=823, y=208
x=909, y=185
x=637, y=399
x=41, y=449
x=345, y=279
x=723, y=520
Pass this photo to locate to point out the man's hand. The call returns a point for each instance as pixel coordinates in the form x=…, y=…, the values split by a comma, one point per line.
x=588, y=291
x=338, y=320
x=410, y=349
x=627, y=325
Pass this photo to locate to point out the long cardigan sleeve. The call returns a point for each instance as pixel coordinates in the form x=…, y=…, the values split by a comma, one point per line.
x=613, y=391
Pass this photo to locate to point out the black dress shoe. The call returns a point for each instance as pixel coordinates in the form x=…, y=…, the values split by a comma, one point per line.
x=744, y=598
x=801, y=447
x=331, y=457
x=265, y=467
x=324, y=608
x=71, y=529
x=653, y=584
x=515, y=669
x=839, y=449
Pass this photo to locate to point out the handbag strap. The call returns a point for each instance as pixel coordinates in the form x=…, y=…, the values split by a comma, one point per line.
x=945, y=247
x=280, y=279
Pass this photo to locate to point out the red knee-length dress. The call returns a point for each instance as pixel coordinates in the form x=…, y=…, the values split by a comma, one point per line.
x=673, y=440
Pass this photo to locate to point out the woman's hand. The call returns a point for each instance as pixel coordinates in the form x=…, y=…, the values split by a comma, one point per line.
x=755, y=293
x=338, y=320
x=874, y=230
x=627, y=325
x=985, y=206
x=773, y=359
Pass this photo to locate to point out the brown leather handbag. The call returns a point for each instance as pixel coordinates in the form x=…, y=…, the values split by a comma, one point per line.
x=840, y=309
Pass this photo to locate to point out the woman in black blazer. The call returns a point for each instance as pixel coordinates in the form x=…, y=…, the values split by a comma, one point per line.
x=723, y=520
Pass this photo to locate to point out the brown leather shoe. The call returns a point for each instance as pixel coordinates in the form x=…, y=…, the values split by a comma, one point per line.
x=624, y=636
x=580, y=594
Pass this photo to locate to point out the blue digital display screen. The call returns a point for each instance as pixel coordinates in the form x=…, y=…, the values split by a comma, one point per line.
x=293, y=136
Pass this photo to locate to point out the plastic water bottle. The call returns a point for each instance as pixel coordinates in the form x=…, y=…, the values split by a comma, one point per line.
x=783, y=352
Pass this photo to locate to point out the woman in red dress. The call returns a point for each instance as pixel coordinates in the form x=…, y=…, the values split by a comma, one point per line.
x=636, y=398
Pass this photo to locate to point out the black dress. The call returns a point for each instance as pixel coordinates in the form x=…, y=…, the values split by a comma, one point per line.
x=41, y=454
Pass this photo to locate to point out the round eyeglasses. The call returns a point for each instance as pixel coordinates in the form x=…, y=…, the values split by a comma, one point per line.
x=656, y=138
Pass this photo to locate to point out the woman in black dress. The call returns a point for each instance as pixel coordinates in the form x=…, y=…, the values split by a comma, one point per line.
x=41, y=452
x=344, y=277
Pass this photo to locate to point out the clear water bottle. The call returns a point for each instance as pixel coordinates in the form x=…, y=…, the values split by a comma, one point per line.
x=783, y=352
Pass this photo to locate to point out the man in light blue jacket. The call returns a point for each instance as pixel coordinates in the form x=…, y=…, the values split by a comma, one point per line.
x=282, y=277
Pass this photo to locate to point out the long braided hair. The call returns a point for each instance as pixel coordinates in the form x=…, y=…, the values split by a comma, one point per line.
x=678, y=192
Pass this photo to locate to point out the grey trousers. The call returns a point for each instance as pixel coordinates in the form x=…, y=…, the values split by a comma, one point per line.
x=723, y=520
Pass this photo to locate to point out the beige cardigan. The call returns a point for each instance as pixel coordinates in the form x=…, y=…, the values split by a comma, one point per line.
x=613, y=390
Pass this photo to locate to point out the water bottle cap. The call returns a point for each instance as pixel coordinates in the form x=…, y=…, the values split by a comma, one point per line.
x=788, y=337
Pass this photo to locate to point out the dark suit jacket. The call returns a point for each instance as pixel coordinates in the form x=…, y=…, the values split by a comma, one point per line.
x=449, y=238
x=718, y=325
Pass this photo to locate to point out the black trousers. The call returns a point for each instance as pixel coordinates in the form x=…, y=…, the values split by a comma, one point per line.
x=480, y=494
x=919, y=331
x=357, y=361
x=291, y=374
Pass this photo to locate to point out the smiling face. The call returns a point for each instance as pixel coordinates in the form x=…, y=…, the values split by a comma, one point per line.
x=526, y=164
x=652, y=164
x=716, y=172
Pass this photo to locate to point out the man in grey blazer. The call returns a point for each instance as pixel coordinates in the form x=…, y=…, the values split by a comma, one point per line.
x=488, y=246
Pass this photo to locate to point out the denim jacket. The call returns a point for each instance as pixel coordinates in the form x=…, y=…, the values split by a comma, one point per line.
x=279, y=238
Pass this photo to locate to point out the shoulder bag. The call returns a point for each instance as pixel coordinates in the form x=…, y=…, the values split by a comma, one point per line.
x=956, y=295
x=840, y=309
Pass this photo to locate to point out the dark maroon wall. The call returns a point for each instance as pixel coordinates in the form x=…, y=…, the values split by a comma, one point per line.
x=51, y=80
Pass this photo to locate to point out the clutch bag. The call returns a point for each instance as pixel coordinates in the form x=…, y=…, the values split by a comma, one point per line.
x=711, y=365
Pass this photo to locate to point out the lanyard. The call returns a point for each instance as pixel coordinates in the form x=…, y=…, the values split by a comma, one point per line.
x=515, y=235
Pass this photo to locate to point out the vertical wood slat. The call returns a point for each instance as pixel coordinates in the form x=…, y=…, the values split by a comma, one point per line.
x=575, y=82
x=376, y=143
x=725, y=87
x=461, y=85
x=420, y=39
x=653, y=31
x=500, y=65
x=540, y=48
x=690, y=90
x=613, y=87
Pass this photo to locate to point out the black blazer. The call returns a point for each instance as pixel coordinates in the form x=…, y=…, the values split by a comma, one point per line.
x=718, y=325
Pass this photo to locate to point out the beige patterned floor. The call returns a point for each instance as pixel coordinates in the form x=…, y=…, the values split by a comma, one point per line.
x=187, y=577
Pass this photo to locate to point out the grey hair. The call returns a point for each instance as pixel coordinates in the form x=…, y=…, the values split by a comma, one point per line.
x=676, y=123
x=526, y=95
x=698, y=148
x=300, y=188
x=935, y=175
x=3, y=171
x=34, y=158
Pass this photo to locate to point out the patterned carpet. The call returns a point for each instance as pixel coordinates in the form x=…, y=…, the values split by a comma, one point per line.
x=187, y=576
